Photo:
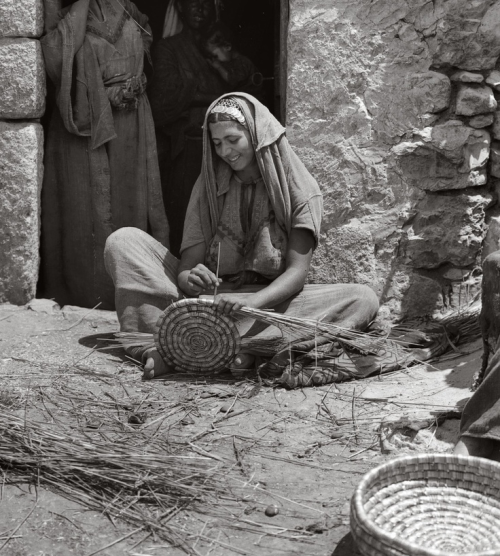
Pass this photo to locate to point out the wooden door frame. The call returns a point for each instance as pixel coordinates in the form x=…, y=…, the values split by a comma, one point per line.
x=281, y=62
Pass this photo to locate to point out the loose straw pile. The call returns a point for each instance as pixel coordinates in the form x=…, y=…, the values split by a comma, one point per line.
x=145, y=487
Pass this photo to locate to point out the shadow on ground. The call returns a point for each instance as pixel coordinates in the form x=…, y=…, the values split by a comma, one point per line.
x=346, y=547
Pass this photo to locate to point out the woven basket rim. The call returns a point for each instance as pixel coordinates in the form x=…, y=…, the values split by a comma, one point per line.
x=405, y=546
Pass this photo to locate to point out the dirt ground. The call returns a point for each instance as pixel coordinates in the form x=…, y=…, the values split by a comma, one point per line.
x=301, y=452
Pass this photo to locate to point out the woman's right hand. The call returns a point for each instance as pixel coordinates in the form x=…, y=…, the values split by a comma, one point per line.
x=198, y=279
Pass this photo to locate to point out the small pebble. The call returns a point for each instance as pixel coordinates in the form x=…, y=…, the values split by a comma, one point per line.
x=137, y=419
x=336, y=434
x=272, y=510
x=226, y=408
x=188, y=420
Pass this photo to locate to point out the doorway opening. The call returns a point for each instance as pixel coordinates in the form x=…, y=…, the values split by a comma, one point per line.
x=260, y=30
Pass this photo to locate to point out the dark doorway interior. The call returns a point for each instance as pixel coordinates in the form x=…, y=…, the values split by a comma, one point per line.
x=259, y=28
x=256, y=27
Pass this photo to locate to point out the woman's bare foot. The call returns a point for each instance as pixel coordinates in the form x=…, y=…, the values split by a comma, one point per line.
x=243, y=361
x=479, y=447
x=155, y=366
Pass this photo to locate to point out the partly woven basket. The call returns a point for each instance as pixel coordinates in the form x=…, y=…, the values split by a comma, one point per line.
x=192, y=336
x=429, y=505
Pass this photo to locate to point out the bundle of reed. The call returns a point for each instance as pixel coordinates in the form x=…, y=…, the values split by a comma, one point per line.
x=297, y=330
x=146, y=487
x=464, y=323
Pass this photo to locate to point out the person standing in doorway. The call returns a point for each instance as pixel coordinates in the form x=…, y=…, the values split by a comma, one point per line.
x=101, y=166
x=183, y=86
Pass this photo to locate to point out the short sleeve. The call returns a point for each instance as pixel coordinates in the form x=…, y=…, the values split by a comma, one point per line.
x=307, y=215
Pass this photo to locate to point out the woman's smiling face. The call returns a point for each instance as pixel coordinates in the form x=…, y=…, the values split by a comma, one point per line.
x=233, y=144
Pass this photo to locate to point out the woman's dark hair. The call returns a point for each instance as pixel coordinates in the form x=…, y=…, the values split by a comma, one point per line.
x=213, y=118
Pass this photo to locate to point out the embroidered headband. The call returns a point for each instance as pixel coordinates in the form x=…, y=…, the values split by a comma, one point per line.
x=230, y=107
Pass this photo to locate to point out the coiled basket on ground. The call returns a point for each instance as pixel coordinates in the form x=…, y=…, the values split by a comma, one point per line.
x=191, y=336
x=429, y=505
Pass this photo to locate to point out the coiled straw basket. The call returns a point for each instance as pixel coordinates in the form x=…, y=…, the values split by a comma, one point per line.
x=192, y=336
x=429, y=505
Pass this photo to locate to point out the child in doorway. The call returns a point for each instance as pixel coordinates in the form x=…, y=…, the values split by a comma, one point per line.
x=238, y=71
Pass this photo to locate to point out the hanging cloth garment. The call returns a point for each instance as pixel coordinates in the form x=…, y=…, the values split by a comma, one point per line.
x=101, y=167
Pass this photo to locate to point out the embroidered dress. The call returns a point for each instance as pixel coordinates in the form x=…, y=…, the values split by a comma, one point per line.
x=250, y=238
x=101, y=168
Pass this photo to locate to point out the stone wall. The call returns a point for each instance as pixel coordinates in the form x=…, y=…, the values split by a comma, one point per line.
x=22, y=103
x=392, y=105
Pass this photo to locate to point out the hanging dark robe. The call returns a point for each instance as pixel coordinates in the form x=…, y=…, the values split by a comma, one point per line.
x=180, y=71
x=101, y=167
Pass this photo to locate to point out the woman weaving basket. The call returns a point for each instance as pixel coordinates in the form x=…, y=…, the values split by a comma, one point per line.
x=256, y=211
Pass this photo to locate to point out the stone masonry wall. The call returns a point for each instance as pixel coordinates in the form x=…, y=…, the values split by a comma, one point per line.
x=22, y=103
x=392, y=105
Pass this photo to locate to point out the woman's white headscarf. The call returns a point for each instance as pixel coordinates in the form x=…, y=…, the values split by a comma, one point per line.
x=173, y=23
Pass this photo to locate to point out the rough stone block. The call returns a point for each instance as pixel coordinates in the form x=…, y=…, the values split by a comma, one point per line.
x=431, y=91
x=448, y=156
x=329, y=266
x=446, y=229
x=475, y=100
x=408, y=294
x=423, y=296
x=493, y=80
x=21, y=18
x=467, y=77
x=464, y=34
x=483, y=120
x=495, y=159
x=21, y=173
x=22, y=79
x=495, y=130
x=492, y=239
x=429, y=119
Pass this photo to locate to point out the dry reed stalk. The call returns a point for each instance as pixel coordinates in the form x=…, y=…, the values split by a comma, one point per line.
x=11, y=536
x=115, y=479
